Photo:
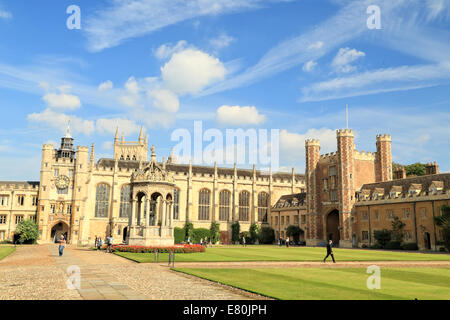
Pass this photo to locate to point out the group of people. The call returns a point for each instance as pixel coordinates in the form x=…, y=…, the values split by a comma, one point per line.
x=108, y=242
x=205, y=242
x=287, y=242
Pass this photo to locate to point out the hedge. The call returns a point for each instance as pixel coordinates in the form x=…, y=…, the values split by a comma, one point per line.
x=142, y=249
x=410, y=246
x=179, y=234
x=200, y=233
x=393, y=245
x=266, y=235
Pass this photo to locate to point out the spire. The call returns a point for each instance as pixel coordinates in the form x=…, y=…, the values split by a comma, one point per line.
x=123, y=138
x=346, y=116
x=153, y=159
x=68, y=135
x=141, y=135
x=93, y=154
x=116, y=138
x=146, y=139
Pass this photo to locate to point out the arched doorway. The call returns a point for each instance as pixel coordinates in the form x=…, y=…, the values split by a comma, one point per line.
x=125, y=233
x=60, y=228
x=333, y=226
x=427, y=241
x=141, y=208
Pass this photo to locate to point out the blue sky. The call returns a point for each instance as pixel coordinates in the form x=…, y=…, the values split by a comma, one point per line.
x=274, y=64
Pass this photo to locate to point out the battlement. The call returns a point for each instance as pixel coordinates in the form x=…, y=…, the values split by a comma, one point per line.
x=345, y=133
x=328, y=156
x=82, y=149
x=385, y=137
x=363, y=155
x=312, y=142
x=48, y=147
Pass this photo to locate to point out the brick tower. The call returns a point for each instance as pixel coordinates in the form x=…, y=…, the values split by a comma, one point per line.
x=383, y=164
x=314, y=220
x=346, y=189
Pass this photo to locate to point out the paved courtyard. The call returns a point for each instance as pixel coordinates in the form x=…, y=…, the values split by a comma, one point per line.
x=37, y=272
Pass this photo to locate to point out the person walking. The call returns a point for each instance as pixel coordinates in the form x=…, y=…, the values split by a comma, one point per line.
x=329, y=251
x=287, y=242
x=243, y=240
x=62, y=245
x=110, y=242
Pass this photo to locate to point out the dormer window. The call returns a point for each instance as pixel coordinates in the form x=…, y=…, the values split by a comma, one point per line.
x=436, y=187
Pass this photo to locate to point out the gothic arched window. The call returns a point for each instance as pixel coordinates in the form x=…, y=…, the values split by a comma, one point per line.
x=204, y=204
x=244, y=205
x=102, y=200
x=125, y=198
x=263, y=206
x=224, y=205
x=176, y=204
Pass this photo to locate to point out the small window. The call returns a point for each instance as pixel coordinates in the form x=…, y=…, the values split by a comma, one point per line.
x=18, y=219
x=3, y=219
x=365, y=235
x=4, y=201
x=21, y=201
x=56, y=173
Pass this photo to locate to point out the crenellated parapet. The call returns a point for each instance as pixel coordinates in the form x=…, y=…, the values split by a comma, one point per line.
x=312, y=142
x=363, y=155
x=384, y=137
x=345, y=133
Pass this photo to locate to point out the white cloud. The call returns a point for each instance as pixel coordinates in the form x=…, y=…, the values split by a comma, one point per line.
x=316, y=45
x=132, y=97
x=167, y=50
x=104, y=86
x=309, y=66
x=344, y=57
x=190, y=71
x=59, y=121
x=381, y=80
x=62, y=101
x=222, y=41
x=5, y=14
x=292, y=145
x=164, y=100
x=108, y=145
x=123, y=20
x=239, y=116
x=109, y=126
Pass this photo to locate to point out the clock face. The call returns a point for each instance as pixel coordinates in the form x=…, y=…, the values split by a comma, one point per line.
x=62, y=182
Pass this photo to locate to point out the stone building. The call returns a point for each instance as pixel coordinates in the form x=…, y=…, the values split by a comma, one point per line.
x=344, y=196
x=351, y=193
x=415, y=200
x=290, y=210
x=136, y=199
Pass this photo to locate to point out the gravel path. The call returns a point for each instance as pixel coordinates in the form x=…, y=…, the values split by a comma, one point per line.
x=38, y=273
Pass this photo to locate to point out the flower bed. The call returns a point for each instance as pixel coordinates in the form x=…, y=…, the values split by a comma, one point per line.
x=142, y=249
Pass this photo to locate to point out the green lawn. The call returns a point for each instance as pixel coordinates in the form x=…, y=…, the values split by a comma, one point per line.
x=334, y=284
x=5, y=251
x=274, y=253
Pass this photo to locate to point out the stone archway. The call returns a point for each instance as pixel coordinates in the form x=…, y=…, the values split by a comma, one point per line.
x=333, y=226
x=58, y=229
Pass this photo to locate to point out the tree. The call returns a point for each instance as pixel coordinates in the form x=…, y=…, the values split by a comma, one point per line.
x=443, y=222
x=266, y=235
x=215, y=232
x=382, y=237
x=235, y=231
x=28, y=231
x=294, y=231
x=254, y=232
x=189, y=231
x=397, y=229
x=416, y=169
